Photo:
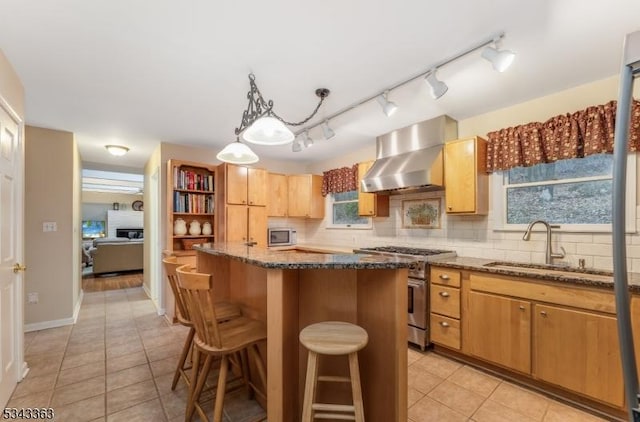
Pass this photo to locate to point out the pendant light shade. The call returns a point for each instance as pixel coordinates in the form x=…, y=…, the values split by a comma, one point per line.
x=268, y=131
x=237, y=153
x=500, y=60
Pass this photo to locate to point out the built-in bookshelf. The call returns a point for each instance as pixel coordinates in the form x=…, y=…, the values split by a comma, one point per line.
x=190, y=197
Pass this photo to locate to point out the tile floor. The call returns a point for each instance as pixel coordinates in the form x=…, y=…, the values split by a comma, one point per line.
x=116, y=364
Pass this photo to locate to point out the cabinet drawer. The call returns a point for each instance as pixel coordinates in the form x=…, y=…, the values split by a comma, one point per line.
x=445, y=331
x=445, y=276
x=445, y=300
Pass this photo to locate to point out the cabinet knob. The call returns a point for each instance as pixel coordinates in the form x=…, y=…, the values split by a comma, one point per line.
x=449, y=208
x=444, y=277
x=444, y=294
x=250, y=202
x=444, y=324
x=521, y=307
x=543, y=313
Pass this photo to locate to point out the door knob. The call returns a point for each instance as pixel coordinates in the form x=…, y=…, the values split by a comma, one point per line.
x=17, y=268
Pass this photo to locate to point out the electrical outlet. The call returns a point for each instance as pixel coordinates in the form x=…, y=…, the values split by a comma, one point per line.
x=32, y=298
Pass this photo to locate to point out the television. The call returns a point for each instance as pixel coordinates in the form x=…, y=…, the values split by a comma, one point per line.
x=92, y=229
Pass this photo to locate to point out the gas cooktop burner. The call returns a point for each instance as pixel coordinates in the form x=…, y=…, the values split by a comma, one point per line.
x=407, y=251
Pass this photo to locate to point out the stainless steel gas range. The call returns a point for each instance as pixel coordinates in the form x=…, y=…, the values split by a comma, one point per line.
x=418, y=286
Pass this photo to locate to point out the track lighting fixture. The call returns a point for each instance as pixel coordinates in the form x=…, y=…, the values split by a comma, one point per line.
x=438, y=88
x=388, y=107
x=500, y=60
x=327, y=132
x=237, y=153
x=308, y=142
x=296, y=146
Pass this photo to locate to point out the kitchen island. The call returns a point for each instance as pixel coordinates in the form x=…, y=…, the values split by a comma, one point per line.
x=289, y=290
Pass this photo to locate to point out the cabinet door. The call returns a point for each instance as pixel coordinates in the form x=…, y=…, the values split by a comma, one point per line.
x=578, y=350
x=236, y=184
x=366, y=201
x=500, y=330
x=278, y=199
x=236, y=228
x=460, y=175
x=299, y=195
x=258, y=225
x=257, y=186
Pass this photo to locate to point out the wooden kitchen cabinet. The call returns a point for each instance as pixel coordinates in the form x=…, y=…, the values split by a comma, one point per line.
x=370, y=204
x=444, y=303
x=246, y=224
x=278, y=200
x=305, y=196
x=578, y=350
x=246, y=185
x=500, y=330
x=465, y=177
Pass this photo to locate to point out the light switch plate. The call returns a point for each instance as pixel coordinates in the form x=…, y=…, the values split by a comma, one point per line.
x=49, y=226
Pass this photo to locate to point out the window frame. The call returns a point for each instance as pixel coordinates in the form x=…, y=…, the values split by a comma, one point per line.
x=331, y=225
x=499, y=202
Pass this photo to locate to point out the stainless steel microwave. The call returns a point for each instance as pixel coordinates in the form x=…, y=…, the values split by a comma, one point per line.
x=282, y=236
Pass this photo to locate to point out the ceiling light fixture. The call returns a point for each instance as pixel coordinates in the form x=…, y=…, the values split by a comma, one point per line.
x=499, y=59
x=327, y=132
x=296, y=146
x=308, y=142
x=261, y=125
x=117, y=150
x=237, y=153
x=388, y=107
x=438, y=88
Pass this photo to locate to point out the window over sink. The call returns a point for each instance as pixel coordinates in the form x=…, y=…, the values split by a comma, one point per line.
x=343, y=208
x=574, y=193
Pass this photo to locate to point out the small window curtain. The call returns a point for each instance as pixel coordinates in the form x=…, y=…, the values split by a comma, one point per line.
x=344, y=179
x=579, y=134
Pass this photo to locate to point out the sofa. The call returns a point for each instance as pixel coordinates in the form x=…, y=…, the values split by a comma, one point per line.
x=112, y=255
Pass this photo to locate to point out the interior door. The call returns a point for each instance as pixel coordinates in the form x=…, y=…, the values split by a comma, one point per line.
x=10, y=254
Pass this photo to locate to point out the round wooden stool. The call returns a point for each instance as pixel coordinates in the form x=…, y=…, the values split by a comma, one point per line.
x=332, y=338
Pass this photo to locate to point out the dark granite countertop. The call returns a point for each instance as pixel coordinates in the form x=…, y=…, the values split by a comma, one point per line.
x=296, y=259
x=587, y=277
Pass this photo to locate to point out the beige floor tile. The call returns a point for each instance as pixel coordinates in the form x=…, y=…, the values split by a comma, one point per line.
x=126, y=361
x=457, y=398
x=45, y=363
x=77, y=349
x=80, y=411
x=163, y=383
x=492, y=411
x=74, y=361
x=429, y=410
x=160, y=341
x=128, y=376
x=562, y=413
x=164, y=352
x=421, y=379
x=79, y=391
x=134, y=345
x=149, y=411
x=238, y=408
x=175, y=402
x=46, y=345
x=437, y=365
x=130, y=395
x=475, y=380
x=524, y=401
x=164, y=366
x=32, y=385
x=80, y=373
x=40, y=399
x=413, y=396
x=413, y=356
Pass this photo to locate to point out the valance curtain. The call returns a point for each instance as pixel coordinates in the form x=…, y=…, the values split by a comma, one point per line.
x=340, y=180
x=574, y=135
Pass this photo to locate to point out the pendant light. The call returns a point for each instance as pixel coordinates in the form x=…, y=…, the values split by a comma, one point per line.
x=237, y=153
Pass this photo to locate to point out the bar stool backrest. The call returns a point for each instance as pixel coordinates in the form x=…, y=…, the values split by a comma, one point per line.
x=170, y=265
x=197, y=289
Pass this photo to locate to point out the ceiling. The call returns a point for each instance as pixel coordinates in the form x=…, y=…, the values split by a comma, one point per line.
x=137, y=73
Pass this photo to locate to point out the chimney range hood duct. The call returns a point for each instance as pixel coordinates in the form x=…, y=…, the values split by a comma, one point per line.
x=410, y=159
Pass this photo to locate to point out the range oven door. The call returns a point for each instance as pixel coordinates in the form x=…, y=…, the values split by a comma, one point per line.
x=417, y=303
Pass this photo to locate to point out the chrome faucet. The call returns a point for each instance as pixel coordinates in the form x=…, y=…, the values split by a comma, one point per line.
x=549, y=254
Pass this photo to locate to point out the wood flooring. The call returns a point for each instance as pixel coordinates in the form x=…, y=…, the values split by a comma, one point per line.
x=114, y=281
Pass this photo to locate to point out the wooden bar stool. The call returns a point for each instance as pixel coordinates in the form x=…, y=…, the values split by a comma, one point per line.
x=225, y=310
x=218, y=339
x=332, y=338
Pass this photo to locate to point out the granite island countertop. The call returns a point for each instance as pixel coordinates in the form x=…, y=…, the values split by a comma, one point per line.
x=297, y=259
x=570, y=275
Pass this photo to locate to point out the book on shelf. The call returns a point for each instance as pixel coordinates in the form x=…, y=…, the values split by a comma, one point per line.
x=195, y=203
x=190, y=180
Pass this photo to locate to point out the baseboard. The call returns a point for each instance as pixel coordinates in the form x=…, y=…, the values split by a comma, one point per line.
x=147, y=291
x=24, y=371
x=76, y=311
x=36, y=326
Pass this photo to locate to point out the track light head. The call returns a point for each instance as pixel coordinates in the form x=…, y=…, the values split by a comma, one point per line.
x=500, y=60
x=308, y=142
x=327, y=132
x=438, y=88
x=388, y=107
x=296, y=146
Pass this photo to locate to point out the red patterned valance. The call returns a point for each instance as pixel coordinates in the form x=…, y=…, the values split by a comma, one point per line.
x=574, y=135
x=340, y=180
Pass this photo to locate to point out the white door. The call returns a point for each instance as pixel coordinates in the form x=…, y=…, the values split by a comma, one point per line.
x=11, y=320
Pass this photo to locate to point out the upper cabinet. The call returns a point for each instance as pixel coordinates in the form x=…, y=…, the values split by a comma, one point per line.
x=190, y=197
x=370, y=204
x=305, y=196
x=245, y=186
x=466, y=179
x=278, y=201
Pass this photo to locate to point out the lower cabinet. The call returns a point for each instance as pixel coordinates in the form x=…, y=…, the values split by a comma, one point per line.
x=500, y=330
x=578, y=350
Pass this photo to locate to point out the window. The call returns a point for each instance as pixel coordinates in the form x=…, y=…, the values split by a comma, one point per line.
x=574, y=193
x=344, y=211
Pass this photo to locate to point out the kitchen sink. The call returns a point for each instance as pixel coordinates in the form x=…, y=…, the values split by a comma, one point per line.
x=552, y=270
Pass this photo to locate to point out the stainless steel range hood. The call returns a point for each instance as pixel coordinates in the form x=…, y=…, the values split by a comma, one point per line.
x=410, y=159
